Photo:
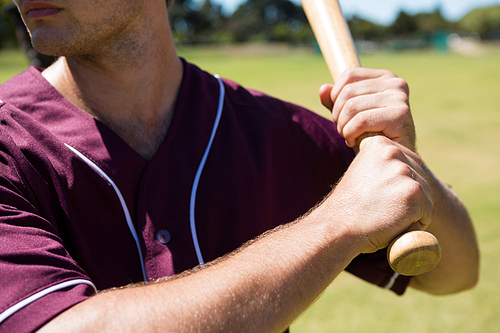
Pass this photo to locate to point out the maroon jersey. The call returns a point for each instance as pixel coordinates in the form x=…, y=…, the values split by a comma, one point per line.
x=81, y=211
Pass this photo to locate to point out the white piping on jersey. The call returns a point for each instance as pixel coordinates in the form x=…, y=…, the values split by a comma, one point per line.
x=392, y=281
x=122, y=202
x=194, y=188
x=18, y=306
x=196, y=182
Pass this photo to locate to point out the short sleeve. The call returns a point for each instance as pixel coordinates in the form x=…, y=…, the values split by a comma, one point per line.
x=38, y=277
x=374, y=268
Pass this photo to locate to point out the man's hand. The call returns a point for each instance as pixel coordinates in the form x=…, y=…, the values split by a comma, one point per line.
x=365, y=100
x=389, y=186
x=382, y=193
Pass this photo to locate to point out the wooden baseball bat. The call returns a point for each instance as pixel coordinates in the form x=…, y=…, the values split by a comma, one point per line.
x=415, y=251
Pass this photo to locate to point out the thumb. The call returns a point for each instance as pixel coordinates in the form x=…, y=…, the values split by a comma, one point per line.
x=324, y=95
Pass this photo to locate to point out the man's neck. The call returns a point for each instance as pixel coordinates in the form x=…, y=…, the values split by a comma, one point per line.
x=134, y=96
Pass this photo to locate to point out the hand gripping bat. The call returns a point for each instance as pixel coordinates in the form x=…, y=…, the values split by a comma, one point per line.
x=415, y=251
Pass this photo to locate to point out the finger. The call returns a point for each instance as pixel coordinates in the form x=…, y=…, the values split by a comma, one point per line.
x=324, y=96
x=351, y=75
x=418, y=185
x=386, y=121
x=349, y=93
x=415, y=183
x=370, y=112
x=359, y=126
x=418, y=174
x=422, y=180
x=370, y=86
x=426, y=200
x=387, y=112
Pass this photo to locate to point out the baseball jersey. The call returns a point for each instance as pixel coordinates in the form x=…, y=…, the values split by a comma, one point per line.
x=81, y=211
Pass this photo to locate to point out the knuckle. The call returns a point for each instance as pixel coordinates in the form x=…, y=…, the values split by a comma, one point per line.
x=355, y=127
x=361, y=120
x=401, y=84
x=414, y=200
x=347, y=91
x=392, y=152
x=349, y=72
x=403, y=169
x=401, y=95
x=416, y=190
x=417, y=159
x=402, y=113
x=350, y=105
x=423, y=204
x=388, y=73
x=376, y=141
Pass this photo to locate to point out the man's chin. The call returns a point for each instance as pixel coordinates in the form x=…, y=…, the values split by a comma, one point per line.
x=47, y=42
x=49, y=48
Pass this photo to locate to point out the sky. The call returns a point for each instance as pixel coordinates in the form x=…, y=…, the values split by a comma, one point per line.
x=385, y=11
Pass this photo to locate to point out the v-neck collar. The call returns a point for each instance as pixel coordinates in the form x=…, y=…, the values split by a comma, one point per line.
x=188, y=133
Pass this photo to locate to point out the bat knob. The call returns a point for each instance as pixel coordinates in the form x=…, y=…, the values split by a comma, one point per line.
x=414, y=252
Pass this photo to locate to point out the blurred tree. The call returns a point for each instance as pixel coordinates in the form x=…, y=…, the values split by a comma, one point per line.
x=7, y=26
x=284, y=21
x=429, y=23
x=247, y=23
x=270, y=20
x=195, y=23
x=404, y=25
x=362, y=29
x=483, y=21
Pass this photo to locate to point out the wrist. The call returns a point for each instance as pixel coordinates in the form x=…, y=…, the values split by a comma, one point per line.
x=335, y=234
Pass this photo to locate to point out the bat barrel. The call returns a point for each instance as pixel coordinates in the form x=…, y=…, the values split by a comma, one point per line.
x=415, y=251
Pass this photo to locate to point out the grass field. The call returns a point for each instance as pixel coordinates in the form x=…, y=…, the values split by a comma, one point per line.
x=456, y=105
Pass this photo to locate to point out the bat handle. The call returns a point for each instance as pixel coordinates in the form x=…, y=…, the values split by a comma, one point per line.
x=415, y=251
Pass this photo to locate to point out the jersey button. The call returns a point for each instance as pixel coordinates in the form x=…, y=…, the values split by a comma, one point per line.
x=163, y=236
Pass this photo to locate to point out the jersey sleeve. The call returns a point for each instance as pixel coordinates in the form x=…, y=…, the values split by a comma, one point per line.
x=38, y=277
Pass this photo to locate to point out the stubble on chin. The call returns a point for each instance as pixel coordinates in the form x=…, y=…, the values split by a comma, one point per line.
x=58, y=42
x=91, y=40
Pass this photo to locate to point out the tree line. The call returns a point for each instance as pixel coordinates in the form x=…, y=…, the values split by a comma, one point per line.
x=284, y=21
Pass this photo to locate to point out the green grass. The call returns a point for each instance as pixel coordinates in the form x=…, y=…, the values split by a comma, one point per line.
x=455, y=101
x=456, y=105
x=12, y=62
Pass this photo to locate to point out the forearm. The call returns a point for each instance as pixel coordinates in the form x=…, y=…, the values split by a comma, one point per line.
x=265, y=285
x=451, y=224
x=261, y=288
